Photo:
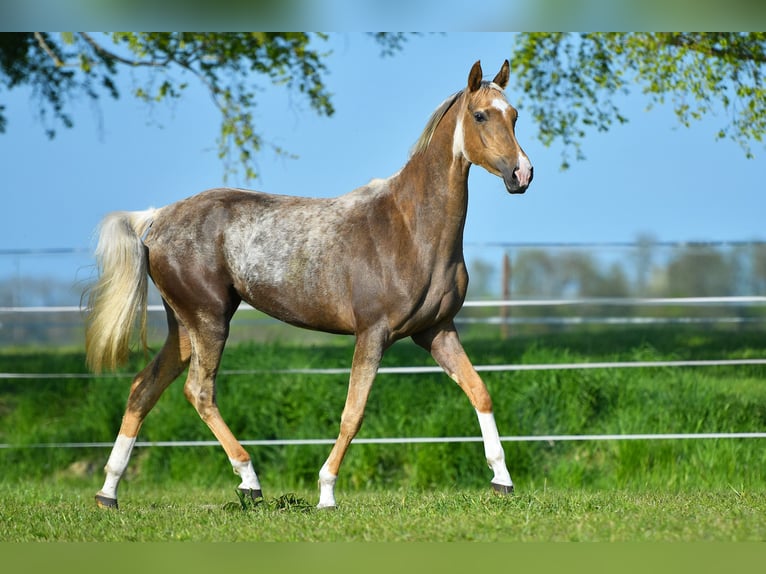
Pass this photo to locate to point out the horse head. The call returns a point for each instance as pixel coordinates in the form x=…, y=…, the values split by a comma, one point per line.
x=485, y=134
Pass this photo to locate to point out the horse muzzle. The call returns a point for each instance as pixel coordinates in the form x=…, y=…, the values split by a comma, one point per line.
x=519, y=179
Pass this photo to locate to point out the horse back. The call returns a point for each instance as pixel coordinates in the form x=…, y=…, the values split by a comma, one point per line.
x=338, y=265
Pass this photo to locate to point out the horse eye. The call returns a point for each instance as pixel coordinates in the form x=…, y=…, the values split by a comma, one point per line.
x=480, y=117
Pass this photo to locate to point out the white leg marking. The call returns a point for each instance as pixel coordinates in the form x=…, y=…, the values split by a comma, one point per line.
x=493, y=449
x=326, y=488
x=116, y=465
x=245, y=470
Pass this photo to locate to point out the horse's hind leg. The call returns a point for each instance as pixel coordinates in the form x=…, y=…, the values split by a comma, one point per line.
x=208, y=339
x=445, y=347
x=146, y=389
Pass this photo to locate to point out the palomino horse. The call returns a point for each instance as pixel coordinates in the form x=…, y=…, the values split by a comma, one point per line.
x=382, y=262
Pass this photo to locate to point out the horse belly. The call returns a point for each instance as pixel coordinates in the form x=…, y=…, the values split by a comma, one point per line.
x=293, y=285
x=298, y=307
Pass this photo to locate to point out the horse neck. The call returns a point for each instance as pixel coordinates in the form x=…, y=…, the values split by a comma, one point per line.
x=432, y=190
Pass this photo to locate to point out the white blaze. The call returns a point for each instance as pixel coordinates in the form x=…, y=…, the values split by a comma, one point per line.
x=500, y=104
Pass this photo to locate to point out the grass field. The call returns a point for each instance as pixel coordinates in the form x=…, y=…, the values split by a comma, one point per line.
x=155, y=513
x=693, y=490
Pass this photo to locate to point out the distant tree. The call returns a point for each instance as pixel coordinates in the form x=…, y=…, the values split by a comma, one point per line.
x=482, y=274
x=26, y=291
x=542, y=273
x=62, y=67
x=535, y=274
x=643, y=256
x=568, y=81
x=701, y=271
x=585, y=279
x=758, y=266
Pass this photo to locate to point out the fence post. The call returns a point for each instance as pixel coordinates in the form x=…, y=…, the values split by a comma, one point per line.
x=506, y=295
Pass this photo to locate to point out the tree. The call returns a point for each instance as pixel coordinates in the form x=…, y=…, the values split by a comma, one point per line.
x=643, y=256
x=701, y=271
x=63, y=67
x=535, y=274
x=482, y=274
x=568, y=81
x=568, y=273
x=758, y=263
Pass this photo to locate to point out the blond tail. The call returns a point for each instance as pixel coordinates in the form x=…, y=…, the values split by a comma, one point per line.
x=119, y=295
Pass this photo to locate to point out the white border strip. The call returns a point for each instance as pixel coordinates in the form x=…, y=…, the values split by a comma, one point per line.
x=406, y=440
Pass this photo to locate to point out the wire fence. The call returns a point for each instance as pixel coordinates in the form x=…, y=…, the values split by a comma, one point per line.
x=543, y=312
x=551, y=439
x=420, y=370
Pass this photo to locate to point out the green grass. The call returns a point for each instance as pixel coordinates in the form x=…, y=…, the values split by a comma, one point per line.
x=36, y=512
x=584, y=490
x=646, y=400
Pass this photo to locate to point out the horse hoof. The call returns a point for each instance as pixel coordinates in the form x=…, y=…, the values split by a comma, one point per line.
x=106, y=502
x=252, y=493
x=502, y=488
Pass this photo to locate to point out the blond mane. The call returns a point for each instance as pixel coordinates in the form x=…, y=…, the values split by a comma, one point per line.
x=425, y=138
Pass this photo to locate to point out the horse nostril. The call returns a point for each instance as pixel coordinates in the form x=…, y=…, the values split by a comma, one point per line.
x=523, y=174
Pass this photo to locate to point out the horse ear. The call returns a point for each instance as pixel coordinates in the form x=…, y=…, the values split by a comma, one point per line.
x=502, y=76
x=474, y=78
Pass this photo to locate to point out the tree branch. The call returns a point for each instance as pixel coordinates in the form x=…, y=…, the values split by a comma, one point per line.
x=742, y=52
x=117, y=58
x=48, y=50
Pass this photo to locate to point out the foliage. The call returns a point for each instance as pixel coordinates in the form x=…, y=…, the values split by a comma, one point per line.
x=570, y=82
x=63, y=67
x=648, y=269
x=544, y=273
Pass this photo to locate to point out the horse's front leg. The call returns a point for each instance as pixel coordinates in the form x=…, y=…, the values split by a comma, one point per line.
x=367, y=354
x=445, y=347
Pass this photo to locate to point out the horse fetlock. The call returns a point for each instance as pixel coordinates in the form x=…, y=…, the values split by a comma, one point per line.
x=245, y=470
x=326, y=488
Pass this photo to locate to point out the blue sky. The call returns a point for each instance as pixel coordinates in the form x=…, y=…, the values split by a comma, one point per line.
x=649, y=176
